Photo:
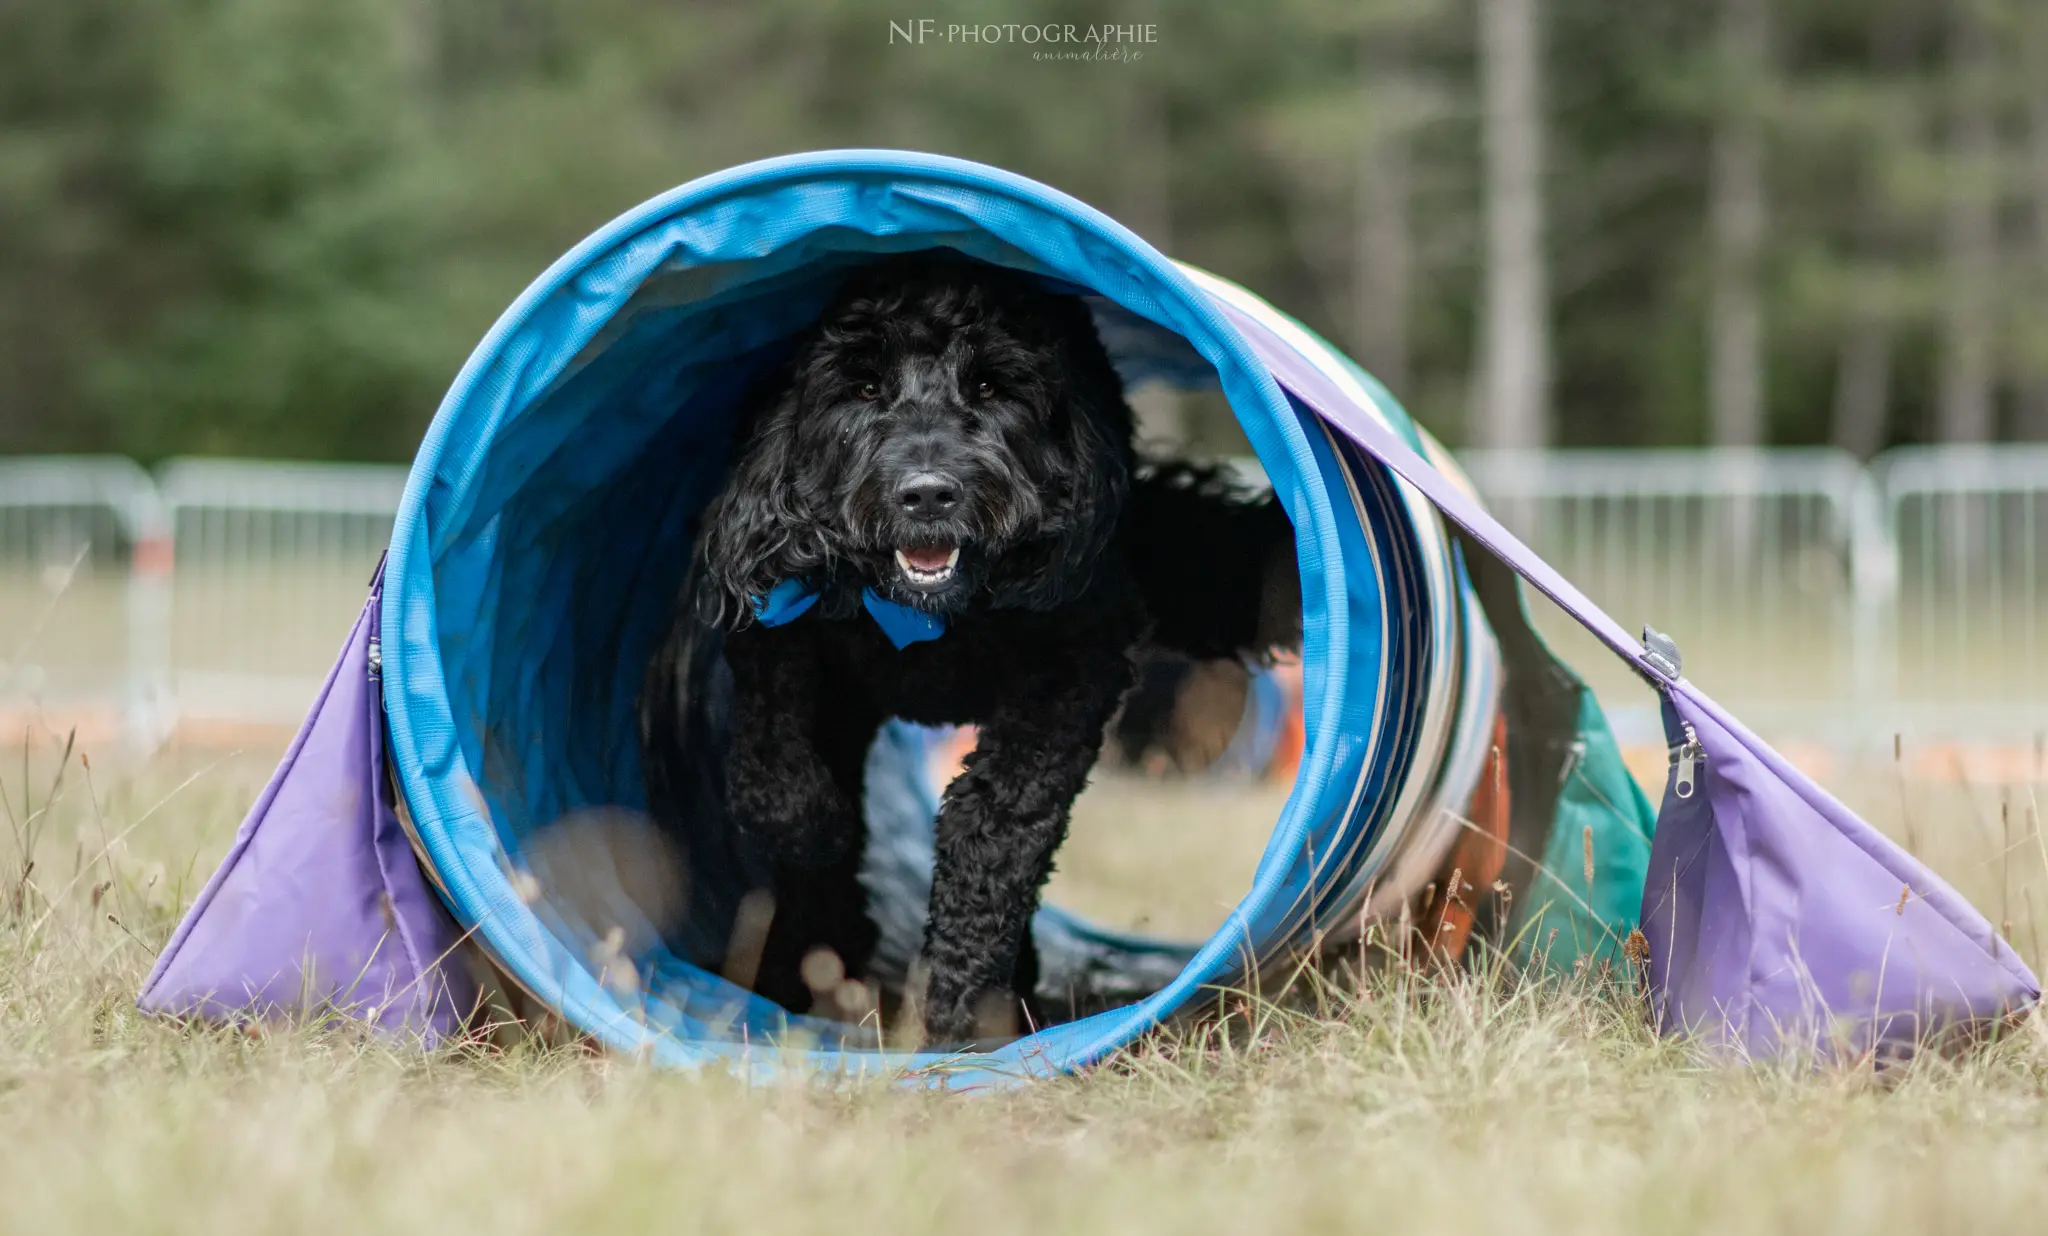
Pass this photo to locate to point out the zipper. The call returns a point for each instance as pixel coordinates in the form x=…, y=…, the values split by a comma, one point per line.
x=376, y=658
x=1687, y=757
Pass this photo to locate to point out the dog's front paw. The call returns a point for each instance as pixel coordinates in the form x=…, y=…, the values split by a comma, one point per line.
x=949, y=1026
x=970, y=1020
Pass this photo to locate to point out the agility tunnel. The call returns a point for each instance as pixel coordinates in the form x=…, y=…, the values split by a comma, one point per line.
x=480, y=725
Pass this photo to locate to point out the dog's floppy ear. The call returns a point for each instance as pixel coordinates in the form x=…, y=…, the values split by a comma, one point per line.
x=1095, y=420
x=758, y=531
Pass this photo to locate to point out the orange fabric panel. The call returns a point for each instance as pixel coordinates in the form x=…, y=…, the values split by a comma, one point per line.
x=1476, y=861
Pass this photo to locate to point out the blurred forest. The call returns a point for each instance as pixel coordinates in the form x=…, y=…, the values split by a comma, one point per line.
x=277, y=226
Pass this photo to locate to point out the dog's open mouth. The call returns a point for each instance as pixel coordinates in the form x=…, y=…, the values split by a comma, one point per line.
x=927, y=566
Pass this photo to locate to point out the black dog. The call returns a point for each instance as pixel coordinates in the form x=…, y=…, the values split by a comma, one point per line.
x=935, y=512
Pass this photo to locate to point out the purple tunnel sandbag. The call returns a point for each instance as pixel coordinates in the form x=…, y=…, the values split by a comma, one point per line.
x=1773, y=913
x=1775, y=917
x=320, y=904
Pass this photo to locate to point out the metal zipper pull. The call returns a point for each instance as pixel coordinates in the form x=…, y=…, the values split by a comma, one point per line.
x=1573, y=754
x=1687, y=757
x=376, y=658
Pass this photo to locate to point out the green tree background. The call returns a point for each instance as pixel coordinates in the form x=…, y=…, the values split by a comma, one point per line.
x=276, y=227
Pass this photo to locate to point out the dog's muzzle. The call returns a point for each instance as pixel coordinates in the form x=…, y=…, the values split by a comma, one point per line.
x=928, y=498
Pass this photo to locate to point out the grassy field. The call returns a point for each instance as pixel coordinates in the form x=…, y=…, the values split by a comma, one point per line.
x=1401, y=1106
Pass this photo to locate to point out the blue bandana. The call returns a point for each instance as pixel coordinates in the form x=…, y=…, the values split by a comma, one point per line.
x=788, y=601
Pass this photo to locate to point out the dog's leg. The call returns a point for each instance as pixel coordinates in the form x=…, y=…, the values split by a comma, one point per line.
x=815, y=912
x=794, y=780
x=1003, y=818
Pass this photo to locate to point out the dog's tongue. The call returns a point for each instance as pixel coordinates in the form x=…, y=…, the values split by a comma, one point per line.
x=927, y=557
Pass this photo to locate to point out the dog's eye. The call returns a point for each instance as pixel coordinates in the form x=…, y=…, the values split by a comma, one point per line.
x=984, y=390
x=870, y=391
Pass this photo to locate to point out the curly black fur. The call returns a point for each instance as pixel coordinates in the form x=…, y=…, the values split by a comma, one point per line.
x=938, y=405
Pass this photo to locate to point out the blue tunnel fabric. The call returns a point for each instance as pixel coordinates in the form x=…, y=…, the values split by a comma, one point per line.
x=545, y=528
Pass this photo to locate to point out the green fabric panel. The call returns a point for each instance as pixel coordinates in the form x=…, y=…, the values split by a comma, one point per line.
x=1598, y=794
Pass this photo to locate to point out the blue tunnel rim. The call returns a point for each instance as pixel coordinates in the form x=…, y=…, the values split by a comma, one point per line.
x=438, y=809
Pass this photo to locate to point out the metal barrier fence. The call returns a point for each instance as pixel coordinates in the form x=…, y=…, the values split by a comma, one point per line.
x=1970, y=531
x=81, y=542
x=1773, y=570
x=272, y=563
x=1818, y=597
x=214, y=591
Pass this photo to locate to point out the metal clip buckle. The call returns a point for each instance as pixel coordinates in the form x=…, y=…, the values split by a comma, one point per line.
x=1662, y=653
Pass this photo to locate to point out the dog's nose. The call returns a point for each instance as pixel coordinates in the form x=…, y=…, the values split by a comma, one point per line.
x=928, y=495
